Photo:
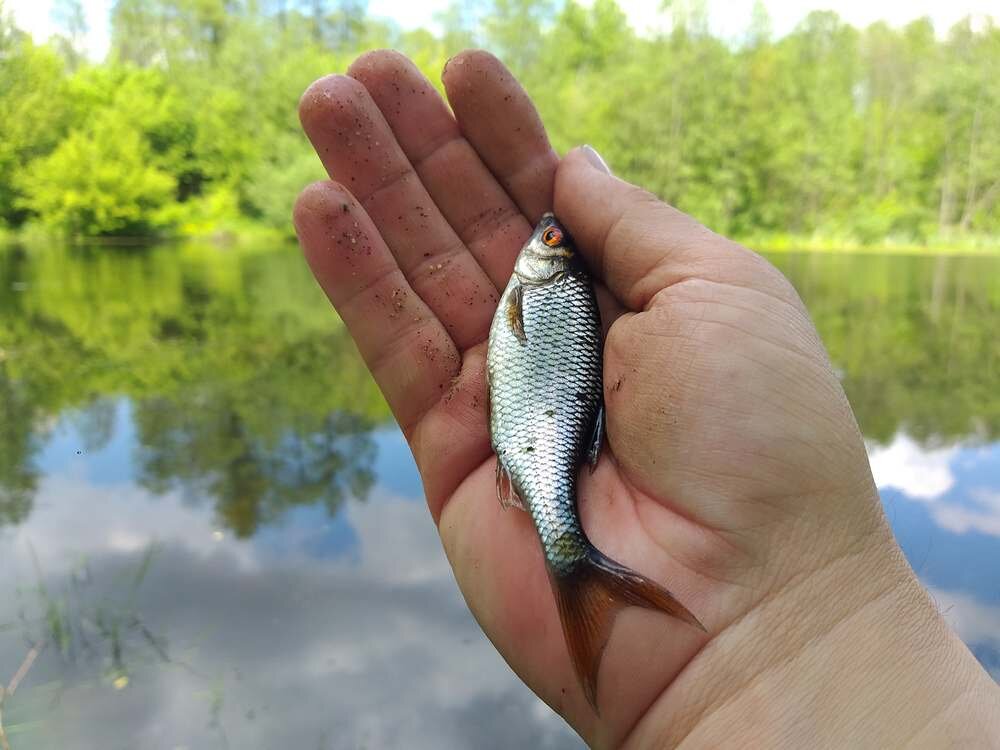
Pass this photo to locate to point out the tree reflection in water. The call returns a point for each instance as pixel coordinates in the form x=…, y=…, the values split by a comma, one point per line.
x=18, y=443
x=213, y=451
x=244, y=389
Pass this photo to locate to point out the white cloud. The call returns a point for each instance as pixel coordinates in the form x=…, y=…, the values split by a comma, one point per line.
x=392, y=550
x=974, y=621
x=926, y=476
x=119, y=519
x=984, y=517
x=920, y=474
x=987, y=498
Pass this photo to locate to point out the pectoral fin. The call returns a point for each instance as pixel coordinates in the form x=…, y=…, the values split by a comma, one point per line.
x=515, y=312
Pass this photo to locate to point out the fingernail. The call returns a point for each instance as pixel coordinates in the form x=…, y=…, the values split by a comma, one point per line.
x=453, y=60
x=595, y=159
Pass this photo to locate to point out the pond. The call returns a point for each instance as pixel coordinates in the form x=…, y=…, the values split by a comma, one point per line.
x=213, y=536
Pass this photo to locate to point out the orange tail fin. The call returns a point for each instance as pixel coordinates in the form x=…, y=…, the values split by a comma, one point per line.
x=591, y=596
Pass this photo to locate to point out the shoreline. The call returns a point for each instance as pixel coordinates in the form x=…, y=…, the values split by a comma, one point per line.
x=254, y=237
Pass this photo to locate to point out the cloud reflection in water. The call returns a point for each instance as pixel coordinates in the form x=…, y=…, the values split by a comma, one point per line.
x=954, y=482
x=283, y=648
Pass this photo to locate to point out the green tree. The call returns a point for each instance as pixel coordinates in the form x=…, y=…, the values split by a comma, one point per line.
x=99, y=182
x=33, y=112
x=855, y=135
x=151, y=32
x=127, y=163
x=970, y=99
x=516, y=30
x=211, y=450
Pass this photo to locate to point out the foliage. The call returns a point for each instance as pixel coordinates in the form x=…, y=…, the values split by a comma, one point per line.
x=857, y=135
x=33, y=113
x=242, y=387
x=99, y=181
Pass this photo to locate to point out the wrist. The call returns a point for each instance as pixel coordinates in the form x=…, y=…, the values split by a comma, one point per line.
x=851, y=654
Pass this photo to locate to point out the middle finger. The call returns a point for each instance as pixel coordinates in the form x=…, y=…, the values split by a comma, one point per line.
x=468, y=195
x=359, y=150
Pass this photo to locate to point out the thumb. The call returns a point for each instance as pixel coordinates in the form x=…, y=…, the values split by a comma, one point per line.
x=635, y=242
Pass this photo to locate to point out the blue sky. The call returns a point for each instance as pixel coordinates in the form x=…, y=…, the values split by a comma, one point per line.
x=729, y=17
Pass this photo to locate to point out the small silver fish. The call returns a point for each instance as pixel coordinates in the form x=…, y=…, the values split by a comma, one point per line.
x=544, y=377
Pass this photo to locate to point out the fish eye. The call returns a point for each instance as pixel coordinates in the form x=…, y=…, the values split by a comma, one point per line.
x=552, y=236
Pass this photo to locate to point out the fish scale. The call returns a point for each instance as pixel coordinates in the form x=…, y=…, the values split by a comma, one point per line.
x=547, y=392
x=543, y=366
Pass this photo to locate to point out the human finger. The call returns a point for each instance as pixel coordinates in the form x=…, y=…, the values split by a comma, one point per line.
x=403, y=343
x=358, y=148
x=640, y=245
x=497, y=117
x=465, y=191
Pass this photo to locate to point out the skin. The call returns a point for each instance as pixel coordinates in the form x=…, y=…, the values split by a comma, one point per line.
x=734, y=472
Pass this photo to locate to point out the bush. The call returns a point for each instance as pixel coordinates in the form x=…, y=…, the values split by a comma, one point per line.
x=99, y=181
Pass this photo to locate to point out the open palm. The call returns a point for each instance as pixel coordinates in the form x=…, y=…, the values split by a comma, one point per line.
x=731, y=448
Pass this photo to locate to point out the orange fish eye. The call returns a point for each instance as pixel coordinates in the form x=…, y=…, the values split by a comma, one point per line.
x=552, y=236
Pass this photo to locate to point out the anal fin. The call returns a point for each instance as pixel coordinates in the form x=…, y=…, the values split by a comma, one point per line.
x=510, y=498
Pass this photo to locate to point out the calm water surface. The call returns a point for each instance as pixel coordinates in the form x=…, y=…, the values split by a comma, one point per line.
x=212, y=535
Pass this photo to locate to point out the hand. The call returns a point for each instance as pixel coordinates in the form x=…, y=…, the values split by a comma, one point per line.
x=734, y=473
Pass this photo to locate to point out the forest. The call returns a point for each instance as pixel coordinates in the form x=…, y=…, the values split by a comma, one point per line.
x=829, y=134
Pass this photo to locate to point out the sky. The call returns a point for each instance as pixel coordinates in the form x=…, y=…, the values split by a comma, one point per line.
x=729, y=18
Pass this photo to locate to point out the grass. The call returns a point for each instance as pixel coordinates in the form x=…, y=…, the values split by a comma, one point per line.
x=109, y=630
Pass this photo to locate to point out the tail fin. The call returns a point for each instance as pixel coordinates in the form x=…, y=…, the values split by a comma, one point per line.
x=590, y=597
